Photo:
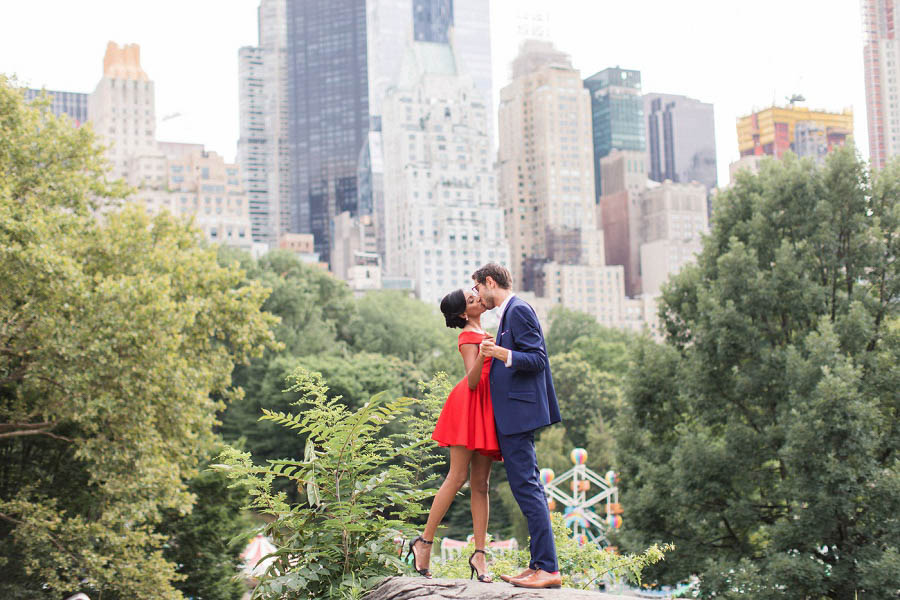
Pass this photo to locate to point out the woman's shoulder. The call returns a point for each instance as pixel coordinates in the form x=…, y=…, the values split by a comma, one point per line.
x=470, y=337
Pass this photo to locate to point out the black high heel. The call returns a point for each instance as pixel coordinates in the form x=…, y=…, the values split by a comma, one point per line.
x=482, y=578
x=423, y=572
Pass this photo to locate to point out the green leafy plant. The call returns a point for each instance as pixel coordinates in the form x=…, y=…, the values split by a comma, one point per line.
x=580, y=566
x=360, y=487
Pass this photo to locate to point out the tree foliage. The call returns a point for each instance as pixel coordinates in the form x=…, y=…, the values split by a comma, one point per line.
x=115, y=335
x=360, y=490
x=205, y=544
x=763, y=436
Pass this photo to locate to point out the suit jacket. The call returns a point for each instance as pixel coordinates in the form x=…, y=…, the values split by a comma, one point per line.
x=522, y=395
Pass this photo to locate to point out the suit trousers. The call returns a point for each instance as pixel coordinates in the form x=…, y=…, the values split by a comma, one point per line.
x=520, y=460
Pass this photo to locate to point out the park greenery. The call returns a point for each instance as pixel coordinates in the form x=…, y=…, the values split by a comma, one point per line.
x=152, y=387
x=763, y=436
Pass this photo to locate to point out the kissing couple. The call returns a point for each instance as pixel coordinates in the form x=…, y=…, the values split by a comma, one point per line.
x=492, y=415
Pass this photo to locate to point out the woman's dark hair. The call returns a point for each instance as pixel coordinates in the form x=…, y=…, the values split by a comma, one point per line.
x=453, y=305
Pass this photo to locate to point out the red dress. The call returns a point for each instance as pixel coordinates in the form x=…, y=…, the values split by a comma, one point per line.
x=467, y=418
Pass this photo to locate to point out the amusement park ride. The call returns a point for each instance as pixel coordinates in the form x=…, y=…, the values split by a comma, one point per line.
x=580, y=509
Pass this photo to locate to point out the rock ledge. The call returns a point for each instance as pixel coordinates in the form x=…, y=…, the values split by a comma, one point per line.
x=408, y=588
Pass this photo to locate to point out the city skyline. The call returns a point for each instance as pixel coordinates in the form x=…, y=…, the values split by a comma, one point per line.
x=725, y=65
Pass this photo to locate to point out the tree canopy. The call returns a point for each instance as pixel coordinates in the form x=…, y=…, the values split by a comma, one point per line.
x=117, y=333
x=762, y=437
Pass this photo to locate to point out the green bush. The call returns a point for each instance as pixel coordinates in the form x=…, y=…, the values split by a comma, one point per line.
x=360, y=490
x=580, y=566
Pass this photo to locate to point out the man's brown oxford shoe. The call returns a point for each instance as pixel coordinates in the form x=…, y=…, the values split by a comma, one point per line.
x=525, y=573
x=540, y=579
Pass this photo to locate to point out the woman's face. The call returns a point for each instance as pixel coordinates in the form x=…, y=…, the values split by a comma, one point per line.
x=474, y=308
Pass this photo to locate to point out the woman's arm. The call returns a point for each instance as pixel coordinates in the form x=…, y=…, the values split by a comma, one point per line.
x=474, y=362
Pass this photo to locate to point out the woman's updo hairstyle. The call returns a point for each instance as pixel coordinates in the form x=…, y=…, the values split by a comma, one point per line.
x=453, y=305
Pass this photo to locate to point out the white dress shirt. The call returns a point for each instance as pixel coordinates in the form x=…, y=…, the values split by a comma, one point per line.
x=503, y=310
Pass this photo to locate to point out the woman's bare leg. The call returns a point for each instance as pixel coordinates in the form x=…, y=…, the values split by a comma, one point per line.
x=459, y=472
x=479, y=484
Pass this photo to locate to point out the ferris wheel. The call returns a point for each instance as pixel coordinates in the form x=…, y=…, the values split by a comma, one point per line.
x=580, y=508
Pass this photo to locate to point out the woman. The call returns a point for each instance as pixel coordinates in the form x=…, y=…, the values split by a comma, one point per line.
x=466, y=425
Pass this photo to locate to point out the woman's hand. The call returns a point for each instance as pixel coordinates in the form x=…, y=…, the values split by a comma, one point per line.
x=482, y=354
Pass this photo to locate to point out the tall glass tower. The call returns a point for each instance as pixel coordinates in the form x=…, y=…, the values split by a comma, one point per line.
x=617, y=112
x=343, y=57
x=328, y=102
x=432, y=20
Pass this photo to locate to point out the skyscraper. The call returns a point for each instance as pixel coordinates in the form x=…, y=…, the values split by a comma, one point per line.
x=392, y=24
x=122, y=107
x=442, y=217
x=343, y=58
x=182, y=179
x=617, y=114
x=263, y=151
x=681, y=139
x=881, y=61
x=432, y=20
x=546, y=162
x=328, y=99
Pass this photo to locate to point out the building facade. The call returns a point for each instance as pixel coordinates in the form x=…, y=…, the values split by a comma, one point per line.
x=617, y=115
x=618, y=212
x=328, y=104
x=183, y=179
x=545, y=162
x=881, y=63
x=681, y=139
x=197, y=185
x=263, y=151
x=442, y=217
x=72, y=104
x=673, y=221
x=772, y=131
x=392, y=24
x=122, y=108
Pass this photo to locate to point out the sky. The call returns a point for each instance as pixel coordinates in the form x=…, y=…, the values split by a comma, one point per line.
x=738, y=55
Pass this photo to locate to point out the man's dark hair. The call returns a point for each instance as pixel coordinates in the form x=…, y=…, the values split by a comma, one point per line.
x=498, y=273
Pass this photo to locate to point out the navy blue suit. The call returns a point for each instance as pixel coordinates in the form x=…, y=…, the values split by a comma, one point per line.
x=524, y=400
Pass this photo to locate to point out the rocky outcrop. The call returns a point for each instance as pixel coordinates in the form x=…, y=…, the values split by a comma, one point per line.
x=408, y=588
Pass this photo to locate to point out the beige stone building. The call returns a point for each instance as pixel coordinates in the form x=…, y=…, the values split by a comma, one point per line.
x=673, y=221
x=183, y=179
x=122, y=108
x=195, y=184
x=442, y=219
x=545, y=161
x=354, y=251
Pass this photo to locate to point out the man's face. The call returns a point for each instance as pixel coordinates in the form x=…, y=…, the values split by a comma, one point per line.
x=485, y=293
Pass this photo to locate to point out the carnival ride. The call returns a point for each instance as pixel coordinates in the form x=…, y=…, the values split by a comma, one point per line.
x=579, y=512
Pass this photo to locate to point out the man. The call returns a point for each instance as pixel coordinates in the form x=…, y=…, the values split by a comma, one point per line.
x=524, y=401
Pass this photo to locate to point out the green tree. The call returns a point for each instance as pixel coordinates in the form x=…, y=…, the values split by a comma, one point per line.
x=116, y=335
x=565, y=326
x=763, y=436
x=361, y=488
x=206, y=543
x=393, y=323
x=587, y=398
x=355, y=378
x=315, y=308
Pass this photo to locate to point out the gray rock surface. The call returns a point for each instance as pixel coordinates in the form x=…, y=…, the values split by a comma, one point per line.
x=408, y=588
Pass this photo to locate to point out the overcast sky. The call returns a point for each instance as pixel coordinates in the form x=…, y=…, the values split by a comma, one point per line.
x=738, y=55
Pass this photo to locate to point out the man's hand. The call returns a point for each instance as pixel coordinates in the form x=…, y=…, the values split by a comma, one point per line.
x=489, y=348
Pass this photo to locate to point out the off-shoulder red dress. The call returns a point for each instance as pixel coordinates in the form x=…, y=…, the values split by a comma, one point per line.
x=467, y=418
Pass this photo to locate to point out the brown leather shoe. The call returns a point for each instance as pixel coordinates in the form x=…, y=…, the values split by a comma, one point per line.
x=540, y=579
x=525, y=573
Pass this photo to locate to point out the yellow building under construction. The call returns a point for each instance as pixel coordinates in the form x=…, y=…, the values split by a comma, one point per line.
x=773, y=131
